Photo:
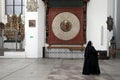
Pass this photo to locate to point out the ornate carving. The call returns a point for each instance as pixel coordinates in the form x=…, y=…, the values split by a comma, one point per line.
x=1, y=27
x=14, y=27
x=32, y=5
x=109, y=23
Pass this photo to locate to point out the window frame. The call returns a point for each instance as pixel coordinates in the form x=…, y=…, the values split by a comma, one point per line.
x=13, y=7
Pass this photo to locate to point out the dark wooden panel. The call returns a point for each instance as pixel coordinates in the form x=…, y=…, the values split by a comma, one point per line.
x=65, y=3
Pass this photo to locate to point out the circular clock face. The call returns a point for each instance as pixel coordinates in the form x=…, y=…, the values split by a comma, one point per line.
x=66, y=26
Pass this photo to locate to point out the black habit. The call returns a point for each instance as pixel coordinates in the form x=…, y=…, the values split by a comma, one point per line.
x=91, y=65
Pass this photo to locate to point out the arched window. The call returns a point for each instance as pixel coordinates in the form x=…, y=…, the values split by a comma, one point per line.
x=14, y=7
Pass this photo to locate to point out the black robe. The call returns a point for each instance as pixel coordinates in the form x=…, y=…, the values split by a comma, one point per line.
x=91, y=65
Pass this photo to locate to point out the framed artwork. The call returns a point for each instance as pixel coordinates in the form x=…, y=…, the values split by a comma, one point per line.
x=32, y=23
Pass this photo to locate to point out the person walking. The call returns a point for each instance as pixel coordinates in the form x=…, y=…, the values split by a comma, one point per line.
x=91, y=65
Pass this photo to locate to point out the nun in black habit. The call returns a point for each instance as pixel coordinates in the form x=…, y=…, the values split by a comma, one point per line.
x=91, y=65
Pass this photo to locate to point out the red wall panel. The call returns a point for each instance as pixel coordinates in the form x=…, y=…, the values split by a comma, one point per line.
x=79, y=39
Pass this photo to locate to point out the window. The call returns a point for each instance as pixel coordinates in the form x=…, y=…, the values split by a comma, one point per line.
x=14, y=7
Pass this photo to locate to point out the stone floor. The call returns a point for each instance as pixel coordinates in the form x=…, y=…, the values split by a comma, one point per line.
x=55, y=69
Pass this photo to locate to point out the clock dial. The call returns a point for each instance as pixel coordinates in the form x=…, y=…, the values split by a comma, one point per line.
x=65, y=26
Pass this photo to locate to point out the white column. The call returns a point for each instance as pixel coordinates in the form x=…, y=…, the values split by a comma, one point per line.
x=31, y=35
x=35, y=36
x=31, y=32
x=41, y=28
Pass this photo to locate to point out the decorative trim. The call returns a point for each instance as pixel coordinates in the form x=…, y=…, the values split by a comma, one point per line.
x=109, y=23
x=32, y=5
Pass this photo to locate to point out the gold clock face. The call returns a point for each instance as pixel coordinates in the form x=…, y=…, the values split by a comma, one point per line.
x=66, y=26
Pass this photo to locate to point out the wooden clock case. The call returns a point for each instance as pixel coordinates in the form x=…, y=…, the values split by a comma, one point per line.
x=53, y=9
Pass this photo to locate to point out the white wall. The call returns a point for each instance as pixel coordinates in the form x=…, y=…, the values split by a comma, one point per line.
x=96, y=20
x=3, y=17
x=98, y=11
x=41, y=28
x=111, y=4
x=31, y=34
x=35, y=37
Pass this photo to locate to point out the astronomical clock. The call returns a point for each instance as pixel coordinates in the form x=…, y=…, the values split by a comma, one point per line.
x=66, y=22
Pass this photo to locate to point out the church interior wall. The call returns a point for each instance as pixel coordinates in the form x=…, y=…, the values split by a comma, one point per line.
x=117, y=23
x=96, y=22
x=38, y=33
x=42, y=27
x=117, y=27
x=3, y=17
x=97, y=13
x=110, y=12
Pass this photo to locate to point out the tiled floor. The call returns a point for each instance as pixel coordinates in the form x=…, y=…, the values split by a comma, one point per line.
x=55, y=69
